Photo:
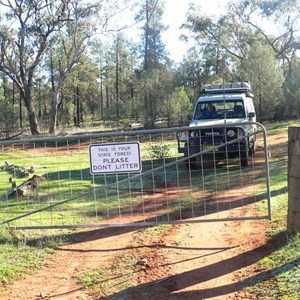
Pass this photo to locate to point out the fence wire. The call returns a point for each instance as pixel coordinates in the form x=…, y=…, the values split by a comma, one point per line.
x=49, y=183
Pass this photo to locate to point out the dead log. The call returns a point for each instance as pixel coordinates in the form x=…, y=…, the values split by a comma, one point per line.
x=17, y=170
x=29, y=184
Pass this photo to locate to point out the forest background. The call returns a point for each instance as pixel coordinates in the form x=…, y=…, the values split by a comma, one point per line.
x=63, y=64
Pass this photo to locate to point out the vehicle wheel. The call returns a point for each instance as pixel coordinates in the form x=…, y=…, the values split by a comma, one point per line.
x=244, y=158
x=190, y=163
x=252, y=149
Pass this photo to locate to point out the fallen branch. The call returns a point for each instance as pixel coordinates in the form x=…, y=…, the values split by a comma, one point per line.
x=30, y=184
x=17, y=170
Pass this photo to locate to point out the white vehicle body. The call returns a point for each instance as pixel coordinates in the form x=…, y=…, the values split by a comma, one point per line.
x=230, y=104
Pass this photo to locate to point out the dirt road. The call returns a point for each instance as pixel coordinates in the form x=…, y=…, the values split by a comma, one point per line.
x=195, y=261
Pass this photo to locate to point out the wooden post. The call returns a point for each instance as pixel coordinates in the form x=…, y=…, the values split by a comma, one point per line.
x=293, y=220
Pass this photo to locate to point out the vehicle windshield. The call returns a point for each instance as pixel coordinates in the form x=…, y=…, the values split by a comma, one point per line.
x=228, y=109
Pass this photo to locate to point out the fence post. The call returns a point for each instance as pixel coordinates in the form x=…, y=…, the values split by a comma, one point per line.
x=293, y=220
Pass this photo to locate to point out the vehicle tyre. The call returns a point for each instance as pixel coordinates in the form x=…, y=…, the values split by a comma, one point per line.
x=252, y=149
x=244, y=158
x=190, y=163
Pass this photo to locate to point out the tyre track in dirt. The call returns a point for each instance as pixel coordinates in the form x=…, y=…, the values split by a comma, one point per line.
x=57, y=280
x=208, y=261
x=195, y=261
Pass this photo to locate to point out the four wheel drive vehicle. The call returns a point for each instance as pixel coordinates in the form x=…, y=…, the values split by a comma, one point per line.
x=224, y=113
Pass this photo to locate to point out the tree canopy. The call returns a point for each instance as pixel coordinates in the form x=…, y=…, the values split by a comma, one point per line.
x=62, y=64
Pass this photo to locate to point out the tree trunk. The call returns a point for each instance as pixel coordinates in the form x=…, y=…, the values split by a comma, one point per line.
x=77, y=107
x=117, y=83
x=32, y=119
x=20, y=111
x=33, y=123
x=101, y=98
x=293, y=220
x=53, y=112
x=52, y=120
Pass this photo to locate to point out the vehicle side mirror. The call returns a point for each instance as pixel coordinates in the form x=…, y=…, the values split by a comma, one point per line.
x=251, y=115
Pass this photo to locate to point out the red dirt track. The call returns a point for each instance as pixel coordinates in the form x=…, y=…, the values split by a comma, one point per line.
x=195, y=261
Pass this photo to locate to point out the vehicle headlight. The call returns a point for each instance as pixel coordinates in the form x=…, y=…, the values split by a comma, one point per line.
x=231, y=133
x=184, y=136
x=240, y=132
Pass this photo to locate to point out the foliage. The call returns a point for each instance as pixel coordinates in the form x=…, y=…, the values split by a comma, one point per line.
x=291, y=103
x=181, y=106
x=73, y=75
x=260, y=68
x=8, y=117
x=159, y=151
x=279, y=13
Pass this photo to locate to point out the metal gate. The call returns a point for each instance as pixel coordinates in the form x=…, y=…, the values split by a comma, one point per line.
x=52, y=182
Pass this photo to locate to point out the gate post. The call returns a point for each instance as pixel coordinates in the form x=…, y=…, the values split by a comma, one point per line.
x=293, y=219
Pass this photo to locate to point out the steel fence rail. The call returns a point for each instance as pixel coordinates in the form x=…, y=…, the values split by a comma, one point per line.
x=53, y=186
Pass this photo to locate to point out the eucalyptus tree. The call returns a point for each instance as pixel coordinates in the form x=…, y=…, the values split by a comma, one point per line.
x=154, y=57
x=178, y=107
x=247, y=21
x=73, y=39
x=202, y=64
x=122, y=56
x=80, y=94
x=262, y=70
x=280, y=15
x=189, y=73
x=8, y=115
x=291, y=105
x=25, y=31
x=220, y=37
x=30, y=28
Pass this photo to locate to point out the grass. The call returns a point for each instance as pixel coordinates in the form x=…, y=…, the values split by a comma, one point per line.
x=281, y=278
x=21, y=251
x=66, y=175
x=116, y=278
x=124, y=270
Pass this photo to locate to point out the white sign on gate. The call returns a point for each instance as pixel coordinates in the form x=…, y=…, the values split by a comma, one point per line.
x=115, y=158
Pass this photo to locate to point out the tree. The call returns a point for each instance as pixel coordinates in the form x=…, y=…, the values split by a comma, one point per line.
x=80, y=93
x=154, y=57
x=39, y=26
x=284, y=14
x=266, y=77
x=247, y=21
x=23, y=45
x=178, y=107
x=73, y=42
x=124, y=65
x=8, y=116
x=223, y=35
x=291, y=105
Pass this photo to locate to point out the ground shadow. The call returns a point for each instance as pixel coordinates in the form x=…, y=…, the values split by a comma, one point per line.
x=171, y=287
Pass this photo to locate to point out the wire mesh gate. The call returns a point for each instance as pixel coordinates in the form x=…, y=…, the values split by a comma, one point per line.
x=50, y=183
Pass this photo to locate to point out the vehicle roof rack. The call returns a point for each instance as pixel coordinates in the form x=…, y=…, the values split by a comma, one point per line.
x=227, y=87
